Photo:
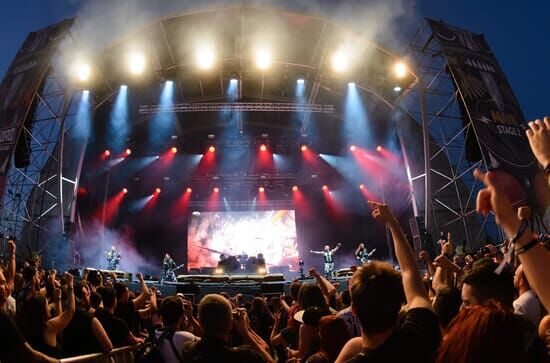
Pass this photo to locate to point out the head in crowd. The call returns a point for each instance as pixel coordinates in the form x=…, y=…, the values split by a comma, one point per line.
x=95, y=300
x=108, y=296
x=484, y=333
x=82, y=294
x=122, y=293
x=345, y=298
x=295, y=289
x=520, y=280
x=171, y=310
x=446, y=304
x=334, y=335
x=481, y=283
x=33, y=317
x=215, y=315
x=259, y=305
x=377, y=295
x=311, y=295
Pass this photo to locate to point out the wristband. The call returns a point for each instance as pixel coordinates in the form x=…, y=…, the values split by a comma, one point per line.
x=522, y=228
x=527, y=247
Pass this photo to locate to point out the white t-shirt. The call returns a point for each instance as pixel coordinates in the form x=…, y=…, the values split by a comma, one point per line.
x=10, y=305
x=528, y=304
x=179, y=339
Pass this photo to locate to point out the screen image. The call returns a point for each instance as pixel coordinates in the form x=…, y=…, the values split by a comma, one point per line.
x=272, y=233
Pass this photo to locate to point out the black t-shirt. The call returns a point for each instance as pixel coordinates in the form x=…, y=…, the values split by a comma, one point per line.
x=126, y=312
x=11, y=340
x=78, y=338
x=416, y=340
x=116, y=328
x=211, y=349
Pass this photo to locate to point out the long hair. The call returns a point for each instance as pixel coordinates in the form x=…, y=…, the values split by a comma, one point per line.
x=484, y=333
x=334, y=335
x=33, y=318
x=311, y=295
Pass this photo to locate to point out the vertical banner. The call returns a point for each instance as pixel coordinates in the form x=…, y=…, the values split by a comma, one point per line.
x=20, y=84
x=490, y=104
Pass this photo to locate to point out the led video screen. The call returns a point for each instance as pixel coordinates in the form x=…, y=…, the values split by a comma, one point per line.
x=272, y=233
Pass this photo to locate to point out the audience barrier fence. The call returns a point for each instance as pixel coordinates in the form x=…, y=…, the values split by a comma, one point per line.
x=118, y=355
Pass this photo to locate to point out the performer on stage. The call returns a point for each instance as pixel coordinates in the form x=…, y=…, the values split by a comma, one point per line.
x=168, y=266
x=113, y=259
x=362, y=254
x=328, y=258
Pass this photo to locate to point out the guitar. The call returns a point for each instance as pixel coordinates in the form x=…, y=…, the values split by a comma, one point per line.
x=176, y=268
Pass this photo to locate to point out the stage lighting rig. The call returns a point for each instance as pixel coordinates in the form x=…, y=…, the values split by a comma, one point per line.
x=136, y=63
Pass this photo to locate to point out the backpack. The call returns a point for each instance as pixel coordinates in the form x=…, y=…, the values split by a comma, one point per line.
x=149, y=351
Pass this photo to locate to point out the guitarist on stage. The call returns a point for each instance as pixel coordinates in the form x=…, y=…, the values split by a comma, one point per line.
x=168, y=266
x=362, y=254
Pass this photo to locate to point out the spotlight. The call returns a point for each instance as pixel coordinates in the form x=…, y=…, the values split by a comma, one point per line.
x=218, y=271
x=397, y=89
x=379, y=148
x=351, y=84
x=85, y=92
x=128, y=152
x=205, y=58
x=216, y=190
x=124, y=190
x=325, y=188
x=82, y=71
x=212, y=149
x=295, y=188
x=263, y=147
x=189, y=190
x=158, y=190
x=339, y=62
x=352, y=148
x=123, y=86
x=262, y=270
x=107, y=152
x=233, y=81
x=400, y=69
x=263, y=59
x=361, y=186
x=261, y=189
x=304, y=148
x=301, y=81
x=174, y=149
x=136, y=63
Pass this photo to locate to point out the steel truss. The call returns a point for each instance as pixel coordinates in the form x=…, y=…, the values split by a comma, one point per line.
x=38, y=203
x=453, y=191
x=237, y=107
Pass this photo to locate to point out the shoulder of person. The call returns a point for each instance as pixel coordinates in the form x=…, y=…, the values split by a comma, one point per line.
x=244, y=353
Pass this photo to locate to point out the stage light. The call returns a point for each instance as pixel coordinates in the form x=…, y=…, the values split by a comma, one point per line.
x=361, y=186
x=136, y=63
x=397, y=89
x=339, y=62
x=262, y=270
x=82, y=71
x=263, y=148
x=263, y=59
x=205, y=58
x=212, y=149
x=351, y=84
x=325, y=187
x=85, y=92
x=301, y=81
x=124, y=190
x=303, y=148
x=158, y=190
x=189, y=190
x=123, y=87
x=379, y=148
x=400, y=69
x=295, y=188
x=174, y=149
x=218, y=271
x=233, y=81
x=261, y=189
x=216, y=190
x=107, y=152
x=128, y=152
x=352, y=148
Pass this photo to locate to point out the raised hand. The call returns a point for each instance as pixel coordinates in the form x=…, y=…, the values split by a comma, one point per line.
x=312, y=272
x=524, y=213
x=539, y=139
x=68, y=279
x=139, y=276
x=381, y=212
x=11, y=247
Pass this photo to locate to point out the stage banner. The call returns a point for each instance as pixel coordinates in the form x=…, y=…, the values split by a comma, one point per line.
x=493, y=109
x=19, y=86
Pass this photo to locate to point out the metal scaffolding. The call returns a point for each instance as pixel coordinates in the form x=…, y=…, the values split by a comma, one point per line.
x=453, y=142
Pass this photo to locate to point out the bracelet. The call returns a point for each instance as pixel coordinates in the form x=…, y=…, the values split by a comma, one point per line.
x=527, y=247
x=522, y=228
x=546, y=170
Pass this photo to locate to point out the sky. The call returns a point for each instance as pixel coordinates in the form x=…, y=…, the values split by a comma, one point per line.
x=518, y=32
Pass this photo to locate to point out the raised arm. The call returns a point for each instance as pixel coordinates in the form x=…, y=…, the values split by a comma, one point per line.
x=335, y=249
x=101, y=336
x=535, y=258
x=327, y=288
x=357, y=250
x=415, y=291
x=145, y=293
x=59, y=323
x=316, y=252
x=11, y=265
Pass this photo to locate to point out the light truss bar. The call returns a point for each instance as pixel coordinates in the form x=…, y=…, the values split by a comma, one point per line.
x=237, y=107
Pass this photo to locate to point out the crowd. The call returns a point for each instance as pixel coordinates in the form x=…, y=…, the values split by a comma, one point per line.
x=488, y=306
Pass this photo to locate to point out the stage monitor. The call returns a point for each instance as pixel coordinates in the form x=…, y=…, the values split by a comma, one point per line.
x=272, y=233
